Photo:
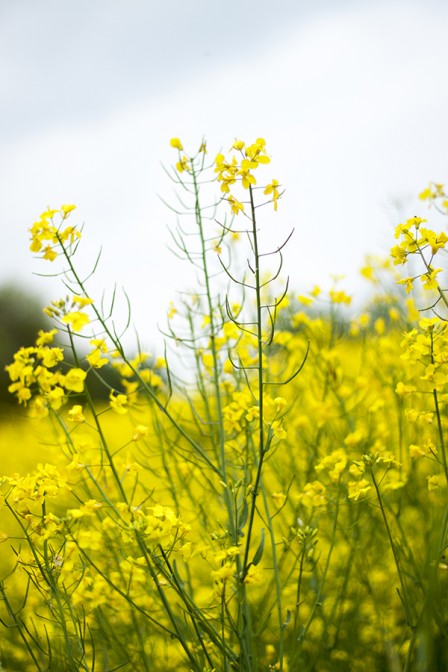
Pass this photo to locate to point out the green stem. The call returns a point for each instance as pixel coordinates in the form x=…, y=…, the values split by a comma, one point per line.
x=440, y=430
x=404, y=596
x=216, y=363
x=261, y=446
x=276, y=569
x=91, y=406
x=245, y=627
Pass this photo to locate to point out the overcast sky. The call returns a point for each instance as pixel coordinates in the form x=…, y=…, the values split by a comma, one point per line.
x=351, y=98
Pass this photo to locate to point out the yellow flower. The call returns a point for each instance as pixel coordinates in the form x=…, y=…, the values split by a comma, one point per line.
x=56, y=397
x=280, y=404
x=236, y=206
x=408, y=282
x=426, y=194
x=140, y=432
x=340, y=297
x=95, y=360
x=429, y=280
x=253, y=575
x=238, y=145
x=36, y=245
x=76, y=320
x=75, y=414
x=427, y=449
x=272, y=188
x=82, y=301
x=74, y=380
x=227, y=553
x=334, y=463
x=399, y=254
x=176, y=144
x=22, y=392
x=278, y=430
x=66, y=209
x=253, y=413
x=182, y=165
x=49, y=253
x=45, y=337
x=223, y=573
x=356, y=437
x=368, y=272
x=76, y=464
x=247, y=179
x=437, y=241
x=279, y=498
x=358, y=489
x=70, y=233
x=186, y=550
x=313, y=495
x=379, y=326
x=118, y=403
x=51, y=356
x=207, y=360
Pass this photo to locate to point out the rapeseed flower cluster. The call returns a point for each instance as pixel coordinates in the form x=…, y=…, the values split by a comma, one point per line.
x=47, y=238
x=241, y=170
x=37, y=382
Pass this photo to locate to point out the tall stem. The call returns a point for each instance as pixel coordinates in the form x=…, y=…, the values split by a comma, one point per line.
x=261, y=446
x=214, y=350
x=404, y=596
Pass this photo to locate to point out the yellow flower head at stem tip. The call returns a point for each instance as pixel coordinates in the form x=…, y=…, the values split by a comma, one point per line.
x=176, y=144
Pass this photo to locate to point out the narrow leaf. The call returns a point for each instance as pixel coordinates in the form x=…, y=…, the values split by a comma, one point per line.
x=258, y=555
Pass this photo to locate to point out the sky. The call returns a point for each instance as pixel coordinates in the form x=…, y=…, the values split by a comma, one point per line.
x=350, y=96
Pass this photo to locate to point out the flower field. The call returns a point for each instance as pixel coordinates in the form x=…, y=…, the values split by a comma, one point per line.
x=271, y=494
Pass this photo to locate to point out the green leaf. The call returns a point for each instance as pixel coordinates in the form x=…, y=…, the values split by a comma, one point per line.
x=258, y=555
